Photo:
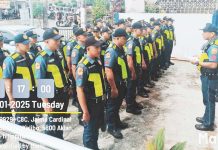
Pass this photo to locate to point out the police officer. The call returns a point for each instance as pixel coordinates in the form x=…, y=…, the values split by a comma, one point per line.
x=19, y=66
x=77, y=54
x=99, y=23
x=89, y=30
x=135, y=64
x=166, y=35
x=157, y=45
x=91, y=92
x=105, y=40
x=121, y=24
x=96, y=33
x=172, y=39
x=209, y=76
x=49, y=64
x=34, y=47
x=116, y=73
x=3, y=54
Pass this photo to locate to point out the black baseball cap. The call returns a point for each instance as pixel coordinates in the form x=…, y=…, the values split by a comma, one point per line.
x=137, y=25
x=79, y=31
x=156, y=23
x=31, y=34
x=105, y=29
x=91, y=41
x=120, y=21
x=21, y=38
x=88, y=26
x=119, y=33
x=165, y=18
x=98, y=20
x=210, y=28
x=96, y=29
x=51, y=34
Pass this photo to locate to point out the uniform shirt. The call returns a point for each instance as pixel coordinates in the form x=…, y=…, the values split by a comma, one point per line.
x=41, y=66
x=213, y=53
x=111, y=58
x=10, y=66
x=171, y=28
x=82, y=72
x=70, y=45
x=77, y=54
x=3, y=54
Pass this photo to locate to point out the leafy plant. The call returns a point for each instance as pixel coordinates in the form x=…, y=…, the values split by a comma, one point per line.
x=159, y=141
x=99, y=8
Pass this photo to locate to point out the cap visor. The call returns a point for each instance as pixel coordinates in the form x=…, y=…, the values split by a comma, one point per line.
x=57, y=37
x=34, y=36
x=26, y=42
x=98, y=44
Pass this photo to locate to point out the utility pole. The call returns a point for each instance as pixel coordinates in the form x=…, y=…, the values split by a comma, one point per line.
x=45, y=14
x=83, y=14
x=31, y=12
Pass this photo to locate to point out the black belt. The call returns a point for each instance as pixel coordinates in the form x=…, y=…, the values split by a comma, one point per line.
x=61, y=90
x=97, y=99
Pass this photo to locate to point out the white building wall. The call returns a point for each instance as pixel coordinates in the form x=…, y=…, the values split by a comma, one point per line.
x=187, y=30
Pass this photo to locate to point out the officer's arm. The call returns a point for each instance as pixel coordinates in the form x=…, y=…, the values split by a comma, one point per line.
x=75, y=60
x=81, y=77
x=8, y=85
x=82, y=99
x=69, y=57
x=130, y=64
x=110, y=78
x=209, y=65
x=109, y=60
x=8, y=72
x=69, y=64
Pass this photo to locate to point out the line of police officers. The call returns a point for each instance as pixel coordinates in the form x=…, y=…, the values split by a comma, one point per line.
x=103, y=65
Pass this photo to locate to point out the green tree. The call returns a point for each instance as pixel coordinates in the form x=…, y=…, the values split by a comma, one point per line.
x=37, y=10
x=60, y=3
x=74, y=3
x=99, y=8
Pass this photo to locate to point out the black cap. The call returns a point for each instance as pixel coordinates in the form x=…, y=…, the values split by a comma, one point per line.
x=98, y=20
x=104, y=29
x=96, y=29
x=120, y=21
x=156, y=23
x=21, y=38
x=210, y=28
x=91, y=41
x=137, y=25
x=152, y=19
x=1, y=37
x=31, y=34
x=119, y=33
x=88, y=26
x=51, y=34
x=79, y=31
x=165, y=18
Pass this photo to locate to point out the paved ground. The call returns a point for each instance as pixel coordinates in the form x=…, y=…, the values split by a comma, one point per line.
x=174, y=104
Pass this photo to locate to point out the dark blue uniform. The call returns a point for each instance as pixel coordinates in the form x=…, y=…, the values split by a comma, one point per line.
x=50, y=65
x=209, y=78
x=89, y=75
x=20, y=67
x=115, y=59
x=3, y=54
x=133, y=49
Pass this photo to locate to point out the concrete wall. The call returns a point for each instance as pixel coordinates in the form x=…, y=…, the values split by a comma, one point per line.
x=187, y=29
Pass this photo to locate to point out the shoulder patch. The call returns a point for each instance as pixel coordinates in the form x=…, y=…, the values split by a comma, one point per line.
x=80, y=71
x=214, y=51
x=37, y=66
x=73, y=54
x=108, y=55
